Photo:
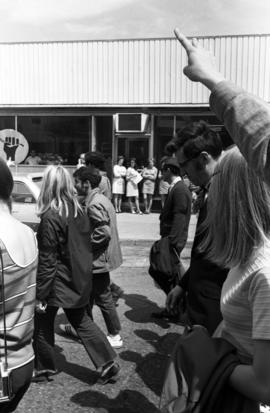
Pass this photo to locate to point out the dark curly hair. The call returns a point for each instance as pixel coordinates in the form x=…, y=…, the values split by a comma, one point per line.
x=195, y=138
x=94, y=179
x=95, y=158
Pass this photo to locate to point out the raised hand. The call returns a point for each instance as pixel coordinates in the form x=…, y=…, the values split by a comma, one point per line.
x=201, y=63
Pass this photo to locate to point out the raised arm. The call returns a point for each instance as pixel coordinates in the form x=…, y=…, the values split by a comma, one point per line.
x=245, y=116
x=201, y=63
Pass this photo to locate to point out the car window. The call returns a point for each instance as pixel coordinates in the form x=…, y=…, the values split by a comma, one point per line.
x=22, y=194
x=38, y=180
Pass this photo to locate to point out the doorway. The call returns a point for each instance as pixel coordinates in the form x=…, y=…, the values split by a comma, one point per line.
x=134, y=147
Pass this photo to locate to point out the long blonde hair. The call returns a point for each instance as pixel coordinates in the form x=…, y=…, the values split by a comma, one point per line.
x=238, y=217
x=57, y=192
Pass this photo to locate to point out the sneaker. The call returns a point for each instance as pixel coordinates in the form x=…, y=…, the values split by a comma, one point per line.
x=68, y=330
x=115, y=341
x=109, y=374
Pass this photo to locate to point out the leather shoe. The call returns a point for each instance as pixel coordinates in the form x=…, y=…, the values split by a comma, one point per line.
x=110, y=376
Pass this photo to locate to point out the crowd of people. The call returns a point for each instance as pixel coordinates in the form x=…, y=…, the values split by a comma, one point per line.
x=226, y=288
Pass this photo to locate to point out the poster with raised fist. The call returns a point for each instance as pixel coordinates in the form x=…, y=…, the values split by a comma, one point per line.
x=13, y=146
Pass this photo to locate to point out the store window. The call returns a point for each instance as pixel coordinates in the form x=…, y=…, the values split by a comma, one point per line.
x=7, y=122
x=22, y=194
x=104, y=137
x=104, y=133
x=57, y=138
x=163, y=133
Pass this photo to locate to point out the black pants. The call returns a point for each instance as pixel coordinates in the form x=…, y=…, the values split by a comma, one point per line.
x=102, y=296
x=93, y=339
x=21, y=379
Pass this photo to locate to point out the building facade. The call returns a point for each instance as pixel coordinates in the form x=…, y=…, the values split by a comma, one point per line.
x=121, y=97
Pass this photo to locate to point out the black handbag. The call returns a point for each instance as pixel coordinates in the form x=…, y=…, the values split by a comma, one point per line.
x=165, y=260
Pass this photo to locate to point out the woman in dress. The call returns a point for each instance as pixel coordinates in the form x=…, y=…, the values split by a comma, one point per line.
x=149, y=175
x=64, y=276
x=133, y=178
x=118, y=186
x=163, y=186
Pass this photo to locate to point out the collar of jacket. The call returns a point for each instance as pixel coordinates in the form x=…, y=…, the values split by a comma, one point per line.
x=176, y=179
x=91, y=195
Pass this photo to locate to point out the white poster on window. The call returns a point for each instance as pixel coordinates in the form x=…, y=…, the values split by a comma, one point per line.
x=13, y=146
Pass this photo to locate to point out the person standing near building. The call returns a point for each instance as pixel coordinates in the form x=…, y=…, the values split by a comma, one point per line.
x=149, y=175
x=18, y=258
x=133, y=178
x=33, y=159
x=118, y=186
x=64, y=276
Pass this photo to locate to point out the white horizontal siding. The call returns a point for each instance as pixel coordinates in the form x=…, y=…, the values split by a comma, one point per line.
x=124, y=72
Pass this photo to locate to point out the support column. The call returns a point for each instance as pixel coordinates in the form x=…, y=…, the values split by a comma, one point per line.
x=93, y=134
x=151, y=139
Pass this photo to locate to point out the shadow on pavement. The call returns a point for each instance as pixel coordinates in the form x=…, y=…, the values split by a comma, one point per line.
x=141, y=310
x=127, y=401
x=163, y=344
x=81, y=373
x=152, y=367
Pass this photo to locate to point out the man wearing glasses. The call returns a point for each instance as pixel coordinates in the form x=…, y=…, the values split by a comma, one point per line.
x=197, y=149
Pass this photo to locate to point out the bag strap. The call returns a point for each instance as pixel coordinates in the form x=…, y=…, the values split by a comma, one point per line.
x=177, y=255
x=4, y=310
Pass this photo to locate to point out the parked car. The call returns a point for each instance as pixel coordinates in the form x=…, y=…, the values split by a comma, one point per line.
x=24, y=197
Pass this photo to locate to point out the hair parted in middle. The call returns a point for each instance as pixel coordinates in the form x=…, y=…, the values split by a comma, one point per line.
x=133, y=160
x=238, y=217
x=57, y=192
x=194, y=139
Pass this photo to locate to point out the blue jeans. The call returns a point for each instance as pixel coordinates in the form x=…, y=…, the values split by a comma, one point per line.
x=93, y=339
x=102, y=296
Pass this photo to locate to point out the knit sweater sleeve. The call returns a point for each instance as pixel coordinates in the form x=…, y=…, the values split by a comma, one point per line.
x=259, y=298
x=247, y=119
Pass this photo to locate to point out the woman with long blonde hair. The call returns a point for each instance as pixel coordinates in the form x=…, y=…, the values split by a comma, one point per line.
x=64, y=276
x=238, y=223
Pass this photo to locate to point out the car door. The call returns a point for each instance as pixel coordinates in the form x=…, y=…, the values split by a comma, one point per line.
x=24, y=204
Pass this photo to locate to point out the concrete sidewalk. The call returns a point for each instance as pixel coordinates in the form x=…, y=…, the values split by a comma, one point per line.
x=145, y=228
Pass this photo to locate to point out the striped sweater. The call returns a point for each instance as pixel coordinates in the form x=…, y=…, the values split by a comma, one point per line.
x=245, y=302
x=19, y=253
